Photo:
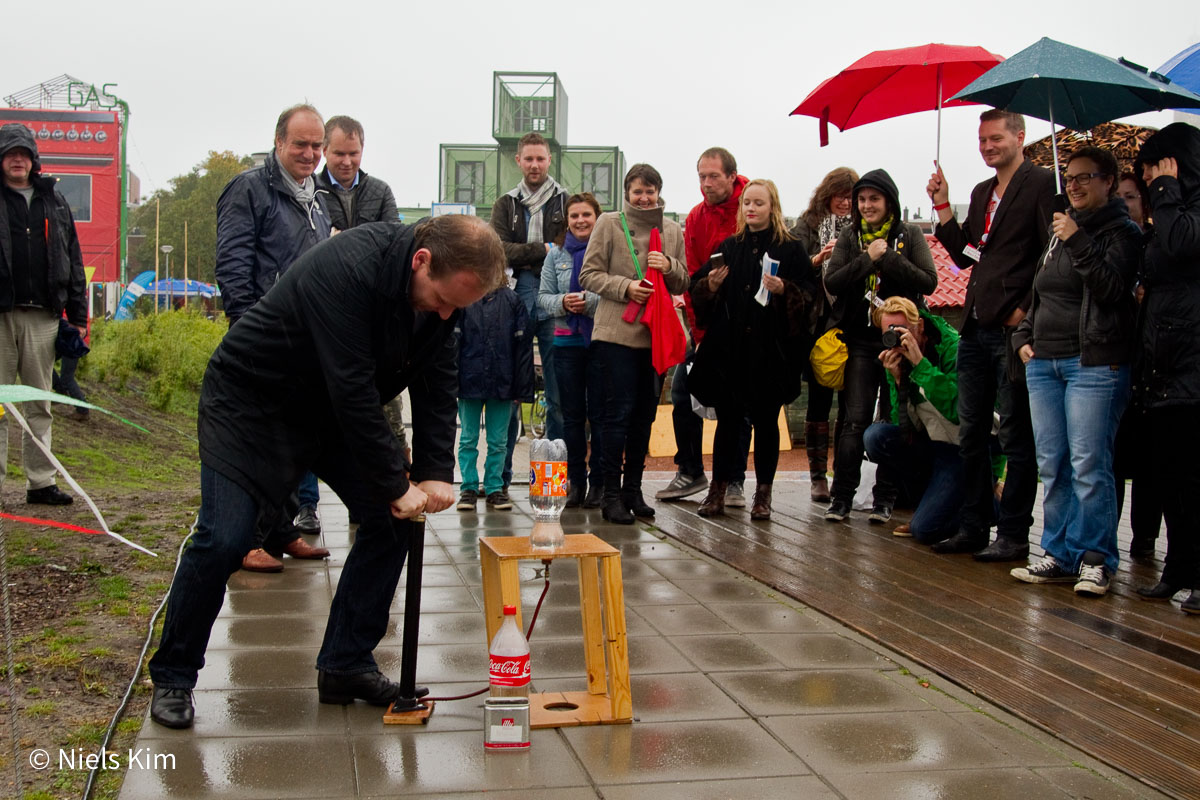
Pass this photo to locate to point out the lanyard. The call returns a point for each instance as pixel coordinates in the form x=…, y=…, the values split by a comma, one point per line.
x=637, y=267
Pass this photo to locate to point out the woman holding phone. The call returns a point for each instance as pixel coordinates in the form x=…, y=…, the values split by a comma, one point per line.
x=758, y=300
x=618, y=252
x=561, y=298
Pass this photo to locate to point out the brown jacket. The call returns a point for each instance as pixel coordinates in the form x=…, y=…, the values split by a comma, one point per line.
x=608, y=270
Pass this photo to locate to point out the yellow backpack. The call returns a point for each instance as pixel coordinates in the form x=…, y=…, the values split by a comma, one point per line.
x=828, y=359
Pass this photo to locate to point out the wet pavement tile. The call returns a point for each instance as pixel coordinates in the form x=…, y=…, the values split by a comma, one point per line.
x=256, y=602
x=314, y=581
x=451, y=627
x=816, y=691
x=438, y=663
x=247, y=769
x=722, y=591
x=259, y=668
x=690, y=569
x=436, y=575
x=684, y=620
x=835, y=744
x=958, y=784
x=257, y=712
x=807, y=787
x=676, y=751
x=818, y=650
x=404, y=762
x=443, y=598
x=654, y=593
x=275, y=631
x=768, y=618
x=575, y=793
x=724, y=653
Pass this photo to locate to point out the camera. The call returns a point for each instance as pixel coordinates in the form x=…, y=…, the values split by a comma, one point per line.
x=891, y=337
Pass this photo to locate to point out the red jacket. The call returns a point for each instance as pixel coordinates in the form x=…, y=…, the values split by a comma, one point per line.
x=705, y=228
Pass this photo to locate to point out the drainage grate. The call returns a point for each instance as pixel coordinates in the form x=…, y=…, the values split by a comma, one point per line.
x=1171, y=652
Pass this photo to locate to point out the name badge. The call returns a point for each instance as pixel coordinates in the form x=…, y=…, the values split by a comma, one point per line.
x=972, y=252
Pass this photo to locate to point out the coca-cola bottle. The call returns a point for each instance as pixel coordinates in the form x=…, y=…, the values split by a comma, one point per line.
x=547, y=491
x=508, y=656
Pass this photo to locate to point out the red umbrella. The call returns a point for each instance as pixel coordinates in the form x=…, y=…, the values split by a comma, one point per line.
x=668, y=343
x=892, y=83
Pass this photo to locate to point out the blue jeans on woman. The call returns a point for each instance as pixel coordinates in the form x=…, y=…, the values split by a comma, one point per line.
x=1076, y=411
x=921, y=473
x=581, y=398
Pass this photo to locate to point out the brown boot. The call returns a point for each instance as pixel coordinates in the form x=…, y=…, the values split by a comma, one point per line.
x=259, y=560
x=713, y=504
x=816, y=442
x=762, y=502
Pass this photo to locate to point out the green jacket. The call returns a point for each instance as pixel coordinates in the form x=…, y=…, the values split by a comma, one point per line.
x=938, y=383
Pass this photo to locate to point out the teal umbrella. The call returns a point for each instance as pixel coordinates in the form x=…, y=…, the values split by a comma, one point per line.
x=1074, y=87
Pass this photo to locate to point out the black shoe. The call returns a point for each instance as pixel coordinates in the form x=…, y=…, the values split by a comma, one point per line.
x=498, y=501
x=307, y=521
x=1192, y=604
x=1141, y=547
x=370, y=687
x=1005, y=548
x=961, y=542
x=1159, y=591
x=594, y=497
x=48, y=496
x=838, y=511
x=613, y=509
x=172, y=708
x=881, y=513
x=632, y=498
x=575, y=496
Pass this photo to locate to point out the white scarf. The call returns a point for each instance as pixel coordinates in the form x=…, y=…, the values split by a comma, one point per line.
x=535, y=201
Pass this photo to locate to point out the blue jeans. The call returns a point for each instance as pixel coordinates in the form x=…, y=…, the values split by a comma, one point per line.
x=921, y=473
x=630, y=403
x=308, y=493
x=225, y=531
x=496, y=414
x=1076, y=411
x=527, y=290
x=983, y=387
x=581, y=396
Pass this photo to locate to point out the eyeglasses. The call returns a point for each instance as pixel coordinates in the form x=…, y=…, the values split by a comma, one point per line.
x=1082, y=179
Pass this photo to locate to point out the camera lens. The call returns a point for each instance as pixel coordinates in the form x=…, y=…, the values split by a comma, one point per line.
x=891, y=339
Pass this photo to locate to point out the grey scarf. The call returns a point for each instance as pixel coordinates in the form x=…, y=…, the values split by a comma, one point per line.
x=305, y=193
x=535, y=202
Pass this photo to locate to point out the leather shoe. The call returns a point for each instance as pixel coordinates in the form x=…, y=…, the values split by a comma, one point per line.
x=961, y=542
x=1192, y=604
x=307, y=521
x=298, y=548
x=259, y=560
x=370, y=687
x=593, y=497
x=1005, y=548
x=172, y=708
x=1159, y=591
x=48, y=496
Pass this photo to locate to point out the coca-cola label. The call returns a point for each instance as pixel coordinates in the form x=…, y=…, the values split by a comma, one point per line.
x=548, y=478
x=509, y=670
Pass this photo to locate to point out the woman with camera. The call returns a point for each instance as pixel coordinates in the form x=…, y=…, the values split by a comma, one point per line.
x=877, y=256
x=1077, y=343
x=757, y=299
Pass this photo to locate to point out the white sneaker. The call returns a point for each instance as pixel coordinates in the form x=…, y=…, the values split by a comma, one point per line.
x=1048, y=569
x=735, y=495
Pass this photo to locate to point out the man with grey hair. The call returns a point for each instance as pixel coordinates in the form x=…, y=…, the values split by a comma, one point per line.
x=41, y=275
x=267, y=217
x=299, y=384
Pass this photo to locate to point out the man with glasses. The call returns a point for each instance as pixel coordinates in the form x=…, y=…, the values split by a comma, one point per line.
x=1006, y=229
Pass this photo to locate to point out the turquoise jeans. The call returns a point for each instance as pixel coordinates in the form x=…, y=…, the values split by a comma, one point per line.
x=495, y=415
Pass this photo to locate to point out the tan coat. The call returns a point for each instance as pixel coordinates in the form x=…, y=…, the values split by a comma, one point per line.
x=608, y=269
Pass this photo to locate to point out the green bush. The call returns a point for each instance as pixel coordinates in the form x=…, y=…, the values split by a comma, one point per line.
x=169, y=351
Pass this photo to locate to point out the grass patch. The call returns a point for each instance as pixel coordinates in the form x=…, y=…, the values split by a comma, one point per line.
x=42, y=708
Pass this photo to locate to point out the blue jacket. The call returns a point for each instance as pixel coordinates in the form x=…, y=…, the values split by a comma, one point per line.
x=495, y=349
x=556, y=284
x=261, y=231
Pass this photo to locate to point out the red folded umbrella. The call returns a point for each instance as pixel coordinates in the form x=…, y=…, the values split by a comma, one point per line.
x=668, y=343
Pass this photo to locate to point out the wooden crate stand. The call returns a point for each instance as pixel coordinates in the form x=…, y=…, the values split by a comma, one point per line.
x=607, y=700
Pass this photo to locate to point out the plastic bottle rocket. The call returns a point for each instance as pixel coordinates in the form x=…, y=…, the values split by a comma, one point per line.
x=548, y=487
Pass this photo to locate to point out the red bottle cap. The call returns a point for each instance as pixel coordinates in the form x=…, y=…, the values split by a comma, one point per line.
x=510, y=610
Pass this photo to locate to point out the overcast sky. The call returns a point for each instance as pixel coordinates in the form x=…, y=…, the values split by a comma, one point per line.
x=661, y=80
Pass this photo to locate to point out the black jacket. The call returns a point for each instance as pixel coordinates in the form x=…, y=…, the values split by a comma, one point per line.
x=301, y=379
x=1002, y=281
x=495, y=349
x=66, y=283
x=261, y=231
x=1102, y=256
x=508, y=221
x=370, y=200
x=751, y=352
x=1168, y=366
x=906, y=269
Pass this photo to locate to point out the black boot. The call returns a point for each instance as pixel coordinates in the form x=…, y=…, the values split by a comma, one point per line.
x=594, y=497
x=575, y=496
x=632, y=498
x=613, y=508
x=816, y=442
